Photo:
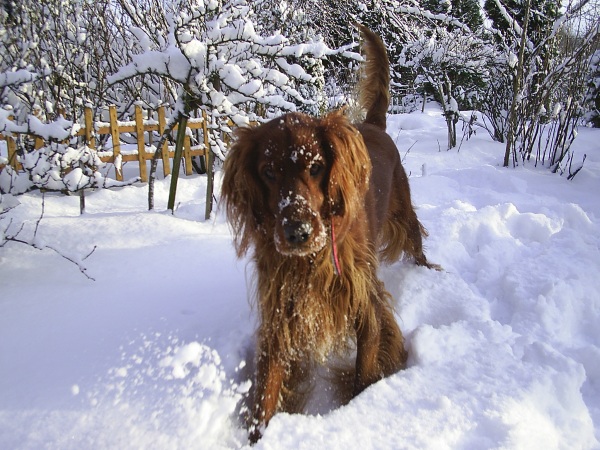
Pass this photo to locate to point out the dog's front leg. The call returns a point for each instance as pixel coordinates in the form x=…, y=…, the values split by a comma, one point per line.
x=269, y=380
x=380, y=346
x=367, y=346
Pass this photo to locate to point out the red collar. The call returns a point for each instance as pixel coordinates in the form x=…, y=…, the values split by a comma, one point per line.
x=334, y=253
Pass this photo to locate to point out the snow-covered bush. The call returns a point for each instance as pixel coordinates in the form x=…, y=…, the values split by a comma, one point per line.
x=59, y=129
x=57, y=167
x=548, y=82
x=55, y=54
x=225, y=67
x=455, y=65
x=593, y=94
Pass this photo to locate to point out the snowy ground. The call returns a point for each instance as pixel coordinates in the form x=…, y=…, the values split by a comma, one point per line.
x=153, y=354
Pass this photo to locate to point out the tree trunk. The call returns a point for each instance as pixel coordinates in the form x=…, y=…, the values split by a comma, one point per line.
x=154, y=162
x=451, y=123
x=210, y=159
x=177, y=161
x=512, y=118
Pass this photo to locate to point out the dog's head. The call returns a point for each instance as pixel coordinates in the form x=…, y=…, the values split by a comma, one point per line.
x=289, y=178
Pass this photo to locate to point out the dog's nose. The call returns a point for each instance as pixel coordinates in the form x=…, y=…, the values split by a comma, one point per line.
x=297, y=232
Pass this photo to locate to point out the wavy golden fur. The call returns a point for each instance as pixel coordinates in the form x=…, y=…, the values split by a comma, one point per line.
x=320, y=201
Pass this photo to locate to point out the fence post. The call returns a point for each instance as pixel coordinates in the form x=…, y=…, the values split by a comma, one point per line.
x=186, y=154
x=141, y=147
x=114, y=134
x=206, y=141
x=162, y=124
x=38, y=142
x=88, y=116
x=11, y=147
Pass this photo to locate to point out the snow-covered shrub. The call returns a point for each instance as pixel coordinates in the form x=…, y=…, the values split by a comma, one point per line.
x=224, y=66
x=59, y=129
x=454, y=65
x=548, y=83
x=57, y=167
x=55, y=54
x=593, y=95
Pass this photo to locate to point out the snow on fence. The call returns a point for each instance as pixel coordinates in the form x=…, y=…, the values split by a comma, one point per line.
x=142, y=129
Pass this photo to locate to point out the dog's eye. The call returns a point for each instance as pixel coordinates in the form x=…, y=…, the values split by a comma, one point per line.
x=269, y=173
x=315, y=169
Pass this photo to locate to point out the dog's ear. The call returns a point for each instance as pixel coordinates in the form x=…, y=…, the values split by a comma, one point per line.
x=241, y=190
x=350, y=166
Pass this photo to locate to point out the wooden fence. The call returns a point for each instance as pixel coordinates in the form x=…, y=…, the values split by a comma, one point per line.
x=142, y=128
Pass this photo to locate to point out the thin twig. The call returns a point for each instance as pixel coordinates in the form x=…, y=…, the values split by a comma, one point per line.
x=407, y=151
x=34, y=244
x=90, y=253
x=81, y=268
x=37, y=223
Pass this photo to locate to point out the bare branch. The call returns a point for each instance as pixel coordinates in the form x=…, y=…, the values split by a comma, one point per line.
x=35, y=243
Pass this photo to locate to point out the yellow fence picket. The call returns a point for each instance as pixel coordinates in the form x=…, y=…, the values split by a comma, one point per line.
x=114, y=134
x=187, y=157
x=11, y=147
x=162, y=124
x=205, y=132
x=88, y=116
x=141, y=146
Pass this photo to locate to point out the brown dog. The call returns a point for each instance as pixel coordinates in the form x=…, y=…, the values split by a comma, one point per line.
x=319, y=199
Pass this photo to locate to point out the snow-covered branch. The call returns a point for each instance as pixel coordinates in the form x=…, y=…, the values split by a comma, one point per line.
x=441, y=19
x=58, y=167
x=58, y=130
x=16, y=78
x=216, y=54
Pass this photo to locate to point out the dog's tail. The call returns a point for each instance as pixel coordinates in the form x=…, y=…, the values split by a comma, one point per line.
x=374, y=87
